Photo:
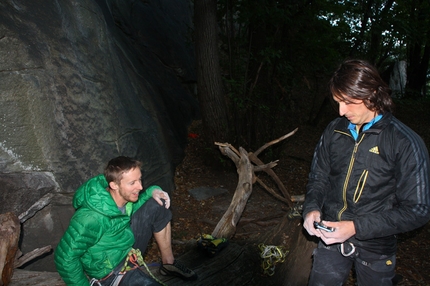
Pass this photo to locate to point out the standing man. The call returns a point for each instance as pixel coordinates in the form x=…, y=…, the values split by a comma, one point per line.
x=111, y=228
x=369, y=181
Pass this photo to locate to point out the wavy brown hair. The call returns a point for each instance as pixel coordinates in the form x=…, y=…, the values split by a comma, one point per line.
x=358, y=79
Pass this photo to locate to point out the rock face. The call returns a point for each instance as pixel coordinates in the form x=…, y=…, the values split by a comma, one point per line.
x=82, y=81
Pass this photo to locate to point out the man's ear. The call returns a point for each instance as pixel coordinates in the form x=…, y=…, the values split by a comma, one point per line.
x=113, y=186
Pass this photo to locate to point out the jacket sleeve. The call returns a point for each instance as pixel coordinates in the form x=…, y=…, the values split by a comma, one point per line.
x=318, y=182
x=145, y=196
x=412, y=193
x=83, y=232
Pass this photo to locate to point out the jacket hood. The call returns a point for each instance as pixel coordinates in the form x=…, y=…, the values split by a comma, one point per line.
x=93, y=195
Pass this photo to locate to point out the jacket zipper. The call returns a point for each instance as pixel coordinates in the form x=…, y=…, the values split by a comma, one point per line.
x=348, y=175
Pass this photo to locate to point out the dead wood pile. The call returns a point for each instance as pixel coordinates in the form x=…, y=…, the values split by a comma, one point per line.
x=288, y=233
x=10, y=229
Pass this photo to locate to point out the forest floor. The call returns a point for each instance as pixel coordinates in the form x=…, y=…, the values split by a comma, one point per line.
x=192, y=217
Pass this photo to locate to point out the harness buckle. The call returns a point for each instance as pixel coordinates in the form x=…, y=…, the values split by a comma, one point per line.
x=350, y=249
x=95, y=282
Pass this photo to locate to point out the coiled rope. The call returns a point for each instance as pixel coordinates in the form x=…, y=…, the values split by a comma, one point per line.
x=135, y=257
x=271, y=256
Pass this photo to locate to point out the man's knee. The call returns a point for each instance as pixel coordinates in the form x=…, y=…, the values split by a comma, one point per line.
x=153, y=214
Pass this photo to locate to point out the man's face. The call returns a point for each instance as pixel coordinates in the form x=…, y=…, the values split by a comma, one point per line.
x=129, y=187
x=354, y=110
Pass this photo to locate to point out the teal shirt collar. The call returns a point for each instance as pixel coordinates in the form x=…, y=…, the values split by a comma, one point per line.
x=353, y=130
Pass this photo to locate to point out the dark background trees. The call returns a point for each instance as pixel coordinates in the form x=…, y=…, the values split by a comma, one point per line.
x=213, y=104
x=276, y=58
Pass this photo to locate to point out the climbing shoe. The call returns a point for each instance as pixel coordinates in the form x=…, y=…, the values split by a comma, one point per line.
x=211, y=245
x=179, y=270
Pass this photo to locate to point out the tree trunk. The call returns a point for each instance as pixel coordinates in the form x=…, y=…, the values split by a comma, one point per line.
x=213, y=106
x=10, y=229
x=417, y=70
x=419, y=51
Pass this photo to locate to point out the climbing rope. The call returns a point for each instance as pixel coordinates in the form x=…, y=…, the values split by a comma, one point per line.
x=152, y=275
x=271, y=256
x=135, y=258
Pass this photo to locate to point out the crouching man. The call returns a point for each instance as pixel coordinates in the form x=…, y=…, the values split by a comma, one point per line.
x=111, y=228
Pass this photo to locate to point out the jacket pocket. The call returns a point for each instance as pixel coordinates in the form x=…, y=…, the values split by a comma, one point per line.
x=360, y=186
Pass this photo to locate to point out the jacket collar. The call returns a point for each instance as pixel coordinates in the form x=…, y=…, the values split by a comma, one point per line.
x=376, y=128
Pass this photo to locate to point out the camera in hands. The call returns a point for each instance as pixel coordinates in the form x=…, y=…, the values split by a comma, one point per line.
x=319, y=225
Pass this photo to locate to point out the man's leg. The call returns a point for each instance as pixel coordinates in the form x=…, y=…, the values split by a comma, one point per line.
x=148, y=219
x=164, y=241
x=170, y=266
x=153, y=219
x=329, y=267
x=375, y=269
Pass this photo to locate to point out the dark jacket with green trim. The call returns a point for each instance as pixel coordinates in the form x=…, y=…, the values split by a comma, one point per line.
x=379, y=181
x=99, y=235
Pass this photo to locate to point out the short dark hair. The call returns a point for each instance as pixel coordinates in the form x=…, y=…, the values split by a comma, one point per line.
x=359, y=80
x=118, y=166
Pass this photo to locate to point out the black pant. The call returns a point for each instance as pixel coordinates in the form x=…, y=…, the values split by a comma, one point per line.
x=331, y=268
x=135, y=277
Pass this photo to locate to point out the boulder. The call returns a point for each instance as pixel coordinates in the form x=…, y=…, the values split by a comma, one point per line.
x=83, y=81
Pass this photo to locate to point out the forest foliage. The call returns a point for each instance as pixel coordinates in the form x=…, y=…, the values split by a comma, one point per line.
x=276, y=56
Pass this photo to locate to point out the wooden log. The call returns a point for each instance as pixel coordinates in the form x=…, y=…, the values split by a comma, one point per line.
x=226, y=227
x=36, y=278
x=37, y=206
x=21, y=260
x=10, y=229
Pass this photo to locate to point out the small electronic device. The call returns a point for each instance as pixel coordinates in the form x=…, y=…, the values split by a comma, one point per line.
x=319, y=225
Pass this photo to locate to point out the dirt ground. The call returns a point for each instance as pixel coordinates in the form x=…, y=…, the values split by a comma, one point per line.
x=191, y=217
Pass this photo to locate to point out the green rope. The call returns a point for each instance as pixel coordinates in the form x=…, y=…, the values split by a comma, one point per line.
x=271, y=256
x=135, y=257
x=152, y=275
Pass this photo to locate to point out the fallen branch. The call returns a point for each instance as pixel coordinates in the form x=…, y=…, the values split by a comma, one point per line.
x=273, y=193
x=226, y=227
x=31, y=255
x=37, y=206
x=262, y=148
x=10, y=255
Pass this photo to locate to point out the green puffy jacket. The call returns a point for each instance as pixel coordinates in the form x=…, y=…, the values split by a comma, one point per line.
x=99, y=235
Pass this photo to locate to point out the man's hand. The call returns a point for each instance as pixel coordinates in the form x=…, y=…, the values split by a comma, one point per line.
x=158, y=195
x=342, y=229
x=308, y=224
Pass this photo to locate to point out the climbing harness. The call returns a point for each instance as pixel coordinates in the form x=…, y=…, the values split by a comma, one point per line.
x=94, y=282
x=133, y=260
x=211, y=245
x=347, y=248
x=115, y=282
x=271, y=256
